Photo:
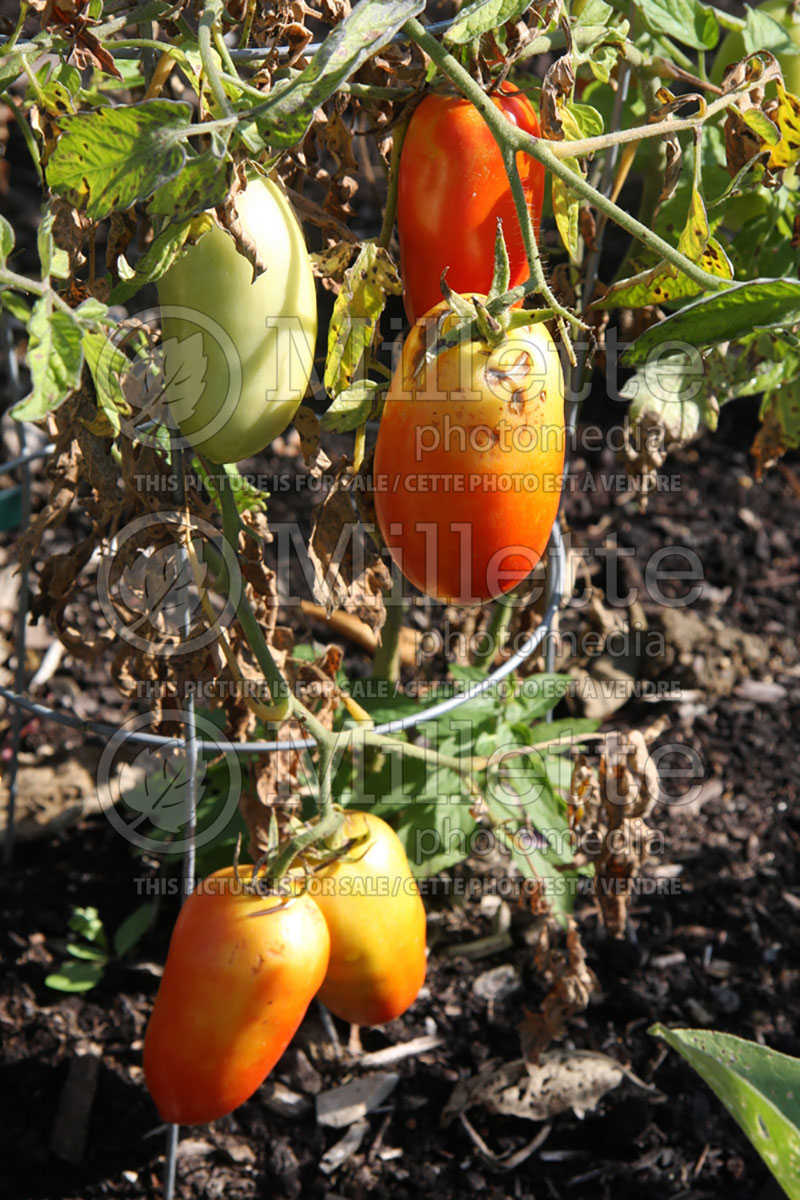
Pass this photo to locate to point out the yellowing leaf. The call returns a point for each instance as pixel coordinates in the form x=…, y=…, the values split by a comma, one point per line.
x=566, y=209
x=787, y=151
x=355, y=314
x=694, y=235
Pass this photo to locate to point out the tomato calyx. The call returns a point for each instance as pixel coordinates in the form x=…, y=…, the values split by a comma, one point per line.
x=286, y=867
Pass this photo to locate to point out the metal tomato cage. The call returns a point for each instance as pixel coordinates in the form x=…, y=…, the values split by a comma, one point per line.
x=191, y=744
x=554, y=591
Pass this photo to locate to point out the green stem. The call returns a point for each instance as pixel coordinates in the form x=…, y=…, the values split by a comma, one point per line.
x=33, y=80
x=247, y=24
x=12, y=41
x=142, y=43
x=23, y=284
x=391, y=196
x=583, y=147
x=231, y=521
x=211, y=12
x=495, y=632
x=510, y=139
x=543, y=43
x=145, y=12
x=224, y=53
x=322, y=829
x=386, y=664
x=368, y=91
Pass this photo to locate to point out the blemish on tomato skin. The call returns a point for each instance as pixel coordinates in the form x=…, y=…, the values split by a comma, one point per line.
x=517, y=401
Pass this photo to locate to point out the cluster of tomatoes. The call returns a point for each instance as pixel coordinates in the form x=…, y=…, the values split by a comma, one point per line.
x=244, y=966
x=470, y=422
x=462, y=432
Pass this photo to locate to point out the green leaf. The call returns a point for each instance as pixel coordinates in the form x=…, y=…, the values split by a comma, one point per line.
x=86, y=952
x=481, y=16
x=108, y=366
x=55, y=360
x=539, y=693
x=595, y=12
x=17, y=306
x=371, y=25
x=76, y=976
x=54, y=260
x=578, y=121
x=6, y=240
x=566, y=209
x=160, y=255
x=435, y=836
x=688, y=21
x=588, y=121
x=759, y=1087
x=571, y=729
x=353, y=407
x=87, y=923
x=107, y=160
x=245, y=494
x=203, y=183
x=763, y=32
x=10, y=71
x=134, y=927
x=760, y=304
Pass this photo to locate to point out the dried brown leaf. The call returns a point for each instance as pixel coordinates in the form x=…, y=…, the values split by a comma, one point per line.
x=348, y=576
x=562, y=1080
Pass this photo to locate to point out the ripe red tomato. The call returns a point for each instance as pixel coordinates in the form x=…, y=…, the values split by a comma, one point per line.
x=235, y=988
x=469, y=460
x=451, y=189
x=376, y=920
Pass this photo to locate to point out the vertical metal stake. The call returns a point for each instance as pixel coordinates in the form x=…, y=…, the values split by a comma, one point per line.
x=20, y=640
x=190, y=747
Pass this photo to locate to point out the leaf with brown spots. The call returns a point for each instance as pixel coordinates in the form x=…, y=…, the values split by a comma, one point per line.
x=358, y=307
x=787, y=117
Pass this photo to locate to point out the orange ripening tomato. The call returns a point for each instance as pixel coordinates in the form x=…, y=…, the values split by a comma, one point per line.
x=451, y=188
x=376, y=919
x=469, y=461
x=235, y=988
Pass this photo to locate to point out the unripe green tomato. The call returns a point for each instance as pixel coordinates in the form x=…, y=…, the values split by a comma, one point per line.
x=238, y=354
x=732, y=48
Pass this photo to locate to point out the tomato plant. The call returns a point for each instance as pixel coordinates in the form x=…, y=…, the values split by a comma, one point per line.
x=376, y=920
x=451, y=189
x=235, y=988
x=250, y=345
x=468, y=462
